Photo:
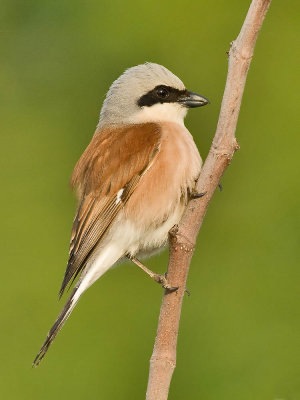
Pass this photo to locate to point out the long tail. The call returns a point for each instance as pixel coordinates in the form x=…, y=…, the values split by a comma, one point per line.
x=108, y=256
x=58, y=324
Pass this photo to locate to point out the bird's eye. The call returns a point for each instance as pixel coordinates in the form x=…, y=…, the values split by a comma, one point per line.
x=162, y=92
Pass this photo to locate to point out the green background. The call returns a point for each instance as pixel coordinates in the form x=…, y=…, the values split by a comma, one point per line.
x=239, y=334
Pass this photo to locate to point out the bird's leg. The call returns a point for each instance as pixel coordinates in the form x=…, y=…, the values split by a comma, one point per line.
x=161, y=279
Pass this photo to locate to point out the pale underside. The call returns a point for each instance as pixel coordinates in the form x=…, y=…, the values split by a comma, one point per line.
x=133, y=184
x=157, y=203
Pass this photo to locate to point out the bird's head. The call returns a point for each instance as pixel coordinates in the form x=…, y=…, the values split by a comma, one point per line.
x=148, y=93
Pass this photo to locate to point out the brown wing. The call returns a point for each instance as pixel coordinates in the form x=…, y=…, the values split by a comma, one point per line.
x=105, y=177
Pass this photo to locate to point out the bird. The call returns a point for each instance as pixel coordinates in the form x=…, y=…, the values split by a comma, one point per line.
x=133, y=181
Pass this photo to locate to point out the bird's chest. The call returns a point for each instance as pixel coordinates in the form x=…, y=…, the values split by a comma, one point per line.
x=159, y=198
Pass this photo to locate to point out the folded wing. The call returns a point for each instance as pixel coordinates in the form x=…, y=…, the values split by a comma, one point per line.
x=105, y=177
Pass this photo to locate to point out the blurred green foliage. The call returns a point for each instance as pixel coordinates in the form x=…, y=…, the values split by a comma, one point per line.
x=239, y=335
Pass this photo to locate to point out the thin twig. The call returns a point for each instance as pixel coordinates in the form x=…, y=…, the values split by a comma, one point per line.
x=183, y=237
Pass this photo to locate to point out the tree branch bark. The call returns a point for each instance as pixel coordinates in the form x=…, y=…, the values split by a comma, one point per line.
x=183, y=238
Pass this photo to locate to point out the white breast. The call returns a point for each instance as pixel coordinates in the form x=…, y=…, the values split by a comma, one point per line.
x=166, y=112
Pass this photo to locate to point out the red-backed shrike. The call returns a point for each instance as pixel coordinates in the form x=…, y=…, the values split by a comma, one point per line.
x=133, y=181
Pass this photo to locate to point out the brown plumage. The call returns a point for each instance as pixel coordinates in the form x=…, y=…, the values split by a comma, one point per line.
x=133, y=179
x=115, y=159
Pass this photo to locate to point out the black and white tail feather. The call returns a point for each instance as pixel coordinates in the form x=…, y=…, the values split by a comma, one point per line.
x=61, y=319
x=97, y=267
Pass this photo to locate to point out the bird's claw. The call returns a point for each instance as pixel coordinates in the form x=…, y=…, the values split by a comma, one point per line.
x=162, y=280
x=197, y=195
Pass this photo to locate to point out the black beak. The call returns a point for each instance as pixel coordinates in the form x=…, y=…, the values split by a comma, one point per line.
x=192, y=100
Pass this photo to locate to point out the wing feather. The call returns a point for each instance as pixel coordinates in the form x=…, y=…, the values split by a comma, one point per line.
x=115, y=159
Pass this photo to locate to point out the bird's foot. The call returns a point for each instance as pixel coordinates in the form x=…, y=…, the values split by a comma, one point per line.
x=162, y=280
x=173, y=231
x=195, y=195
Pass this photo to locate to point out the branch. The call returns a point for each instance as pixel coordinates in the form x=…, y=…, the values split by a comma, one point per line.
x=183, y=238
